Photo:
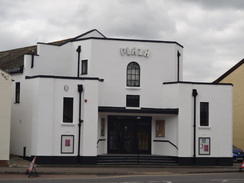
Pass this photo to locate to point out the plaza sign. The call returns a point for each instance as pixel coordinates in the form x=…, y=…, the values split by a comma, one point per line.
x=135, y=52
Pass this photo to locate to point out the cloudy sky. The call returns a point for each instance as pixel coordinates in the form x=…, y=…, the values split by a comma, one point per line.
x=211, y=31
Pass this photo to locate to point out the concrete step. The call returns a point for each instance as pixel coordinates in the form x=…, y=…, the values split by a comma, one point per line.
x=135, y=159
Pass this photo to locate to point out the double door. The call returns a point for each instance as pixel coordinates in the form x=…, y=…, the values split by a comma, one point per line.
x=129, y=135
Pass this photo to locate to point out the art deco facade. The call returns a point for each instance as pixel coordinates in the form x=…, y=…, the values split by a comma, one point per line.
x=90, y=96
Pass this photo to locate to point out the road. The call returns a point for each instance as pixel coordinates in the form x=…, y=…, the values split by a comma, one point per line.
x=173, y=178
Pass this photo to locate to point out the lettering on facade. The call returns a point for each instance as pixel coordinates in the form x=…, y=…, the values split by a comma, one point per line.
x=135, y=51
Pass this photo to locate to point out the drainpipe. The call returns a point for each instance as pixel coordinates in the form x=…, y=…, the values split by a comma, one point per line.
x=32, y=58
x=78, y=50
x=194, y=94
x=178, y=66
x=80, y=89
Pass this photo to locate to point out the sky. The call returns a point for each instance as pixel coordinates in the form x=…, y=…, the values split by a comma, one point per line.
x=211, y=31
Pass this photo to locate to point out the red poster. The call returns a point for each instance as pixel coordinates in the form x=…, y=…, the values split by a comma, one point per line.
x=206, y=148
x=67, y=142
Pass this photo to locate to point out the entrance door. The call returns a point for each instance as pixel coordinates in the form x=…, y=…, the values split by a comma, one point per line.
x=129, y=135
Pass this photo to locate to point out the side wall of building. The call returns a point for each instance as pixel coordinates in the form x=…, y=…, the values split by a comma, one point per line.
x=23, y=112
x=5, y=113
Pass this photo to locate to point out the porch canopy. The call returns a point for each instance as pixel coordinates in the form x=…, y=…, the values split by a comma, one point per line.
x=139, y=110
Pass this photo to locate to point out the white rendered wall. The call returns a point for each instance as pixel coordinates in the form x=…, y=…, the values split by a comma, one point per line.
x=21, y=117
x=171, y=130
x=90, y=117
x=50, y=125
x=105, y=61
x=37, y=123
x=51, y=60
x=185, y=133
x=108, y=63
x=220, y=118
x=43, y=121
x=102, y=140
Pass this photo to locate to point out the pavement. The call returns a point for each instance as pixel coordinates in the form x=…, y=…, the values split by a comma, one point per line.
x=18, y=166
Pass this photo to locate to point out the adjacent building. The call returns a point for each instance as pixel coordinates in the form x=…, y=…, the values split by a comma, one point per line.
x=234, y=75
x=90, y=96
x=5, y=113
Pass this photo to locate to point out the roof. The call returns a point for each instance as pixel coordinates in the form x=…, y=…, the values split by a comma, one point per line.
x=232, y=69
x=14, y=59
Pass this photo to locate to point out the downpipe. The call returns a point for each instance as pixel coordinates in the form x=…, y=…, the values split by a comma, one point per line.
x=80, y=90
x=194, y=94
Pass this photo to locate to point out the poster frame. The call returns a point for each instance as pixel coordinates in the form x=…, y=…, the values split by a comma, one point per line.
x=67, y=144
x=204, y=145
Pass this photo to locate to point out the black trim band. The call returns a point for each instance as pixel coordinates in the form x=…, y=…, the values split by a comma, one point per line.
x=134, y=40
x=141, y=110
x=86, y=160
x=205, y=161
x=92, y=160
x=63, y=77
x=199, y=83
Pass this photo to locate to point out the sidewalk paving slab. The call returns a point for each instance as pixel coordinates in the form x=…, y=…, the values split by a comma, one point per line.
x=120, y=170
x=19, y=166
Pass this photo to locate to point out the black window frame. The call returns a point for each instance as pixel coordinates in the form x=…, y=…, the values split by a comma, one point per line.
x=17, y=92
x=133, y=74
x=68, y=109
x=132, y=100
x=84, y=67
x=204, y=113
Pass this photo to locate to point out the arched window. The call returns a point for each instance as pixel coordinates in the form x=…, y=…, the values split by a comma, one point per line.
x=133, y=74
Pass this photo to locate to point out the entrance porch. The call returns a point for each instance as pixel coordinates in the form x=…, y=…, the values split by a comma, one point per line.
x=129, y=135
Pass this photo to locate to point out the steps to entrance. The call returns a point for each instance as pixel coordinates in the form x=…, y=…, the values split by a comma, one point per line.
x=135, y=160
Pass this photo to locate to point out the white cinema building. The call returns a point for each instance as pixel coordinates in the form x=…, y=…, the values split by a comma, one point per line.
x=91, y=97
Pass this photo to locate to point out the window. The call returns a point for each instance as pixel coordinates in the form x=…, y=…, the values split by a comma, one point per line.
x=17, y=92
x=132, y=100
x=133, y=74
x=204, y=114
x=84, y=66
x=68, y=110
x=102, y=127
